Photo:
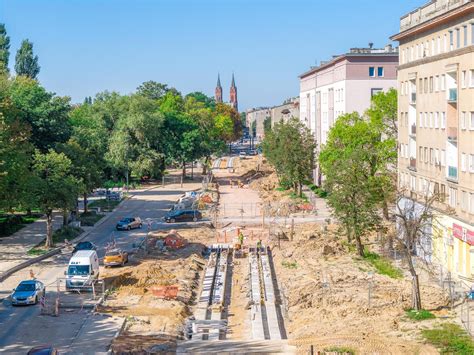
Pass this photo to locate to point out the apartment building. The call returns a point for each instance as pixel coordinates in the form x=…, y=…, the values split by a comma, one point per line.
x=343, y=85
x=436, y=124
x=284, y=112
x=256, y=117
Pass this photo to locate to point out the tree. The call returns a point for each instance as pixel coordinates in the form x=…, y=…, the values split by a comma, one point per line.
x=15, y=152
x=153, y=90
x=54, y=186
x=45, y=113
x=289, y=147
x=267, y=125
x=4, y=49
x=384, y=112
x=223, y=109
x=415, y=223
x=25, y=62
x=350, y=162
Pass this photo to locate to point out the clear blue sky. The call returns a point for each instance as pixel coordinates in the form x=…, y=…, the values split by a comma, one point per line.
x=87, y=46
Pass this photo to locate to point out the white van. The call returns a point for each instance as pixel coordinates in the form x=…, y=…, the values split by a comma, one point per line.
x=83, y=268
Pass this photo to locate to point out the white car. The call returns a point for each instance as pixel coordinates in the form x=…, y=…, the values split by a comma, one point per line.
x=242, y=155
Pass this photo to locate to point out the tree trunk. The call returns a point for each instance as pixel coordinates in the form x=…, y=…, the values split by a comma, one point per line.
x=416, y=294
x=49, y=229
x=184, y=170
x=192, y=170
x=295, y=188
x=300, y=189
x=28, y=211
x=85, y=203
x=65, y=211
x=204, y=166
x=360, y=246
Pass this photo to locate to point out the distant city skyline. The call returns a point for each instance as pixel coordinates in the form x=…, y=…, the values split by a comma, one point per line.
x=86, y=47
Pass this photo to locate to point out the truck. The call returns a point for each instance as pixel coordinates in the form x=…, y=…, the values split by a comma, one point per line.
x=83, y=269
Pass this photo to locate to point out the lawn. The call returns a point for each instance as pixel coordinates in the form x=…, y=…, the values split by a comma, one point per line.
x=450, y=338
x=11, y=223
x=419, y=315
x=90, y=218
x=383, y=265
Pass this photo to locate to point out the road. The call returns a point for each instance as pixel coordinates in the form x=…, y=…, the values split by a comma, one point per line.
x=23, y=327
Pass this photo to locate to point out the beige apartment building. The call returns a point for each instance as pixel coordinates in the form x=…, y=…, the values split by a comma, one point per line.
x=436, y=123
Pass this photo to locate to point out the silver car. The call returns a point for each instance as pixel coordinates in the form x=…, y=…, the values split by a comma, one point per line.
x=28, y=292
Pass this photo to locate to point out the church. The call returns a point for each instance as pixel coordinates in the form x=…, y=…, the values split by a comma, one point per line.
x=233, y=93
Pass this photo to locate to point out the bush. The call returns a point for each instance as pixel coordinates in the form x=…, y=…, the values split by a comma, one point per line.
x=90, y=218
x=382, y=265
x=450, y=338
x=289, y=265
x=66, y=233
x=339, y=350
x=419, y=315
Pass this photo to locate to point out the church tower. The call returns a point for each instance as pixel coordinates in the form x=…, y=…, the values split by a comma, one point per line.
x=218, y=96
x=233, y=95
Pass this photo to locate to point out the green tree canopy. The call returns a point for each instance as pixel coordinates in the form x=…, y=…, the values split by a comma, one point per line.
x=4, y=49
x=26, y=63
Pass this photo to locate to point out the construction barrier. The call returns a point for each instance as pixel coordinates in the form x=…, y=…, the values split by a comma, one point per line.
x=165, y=292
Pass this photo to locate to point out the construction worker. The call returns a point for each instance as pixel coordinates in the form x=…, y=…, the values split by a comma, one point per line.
x=241, y=238
x=259, y=245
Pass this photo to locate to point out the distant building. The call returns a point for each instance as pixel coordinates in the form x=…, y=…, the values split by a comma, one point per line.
x=289, y=109
x=343, y=85
x=257, y=116
x=232, y=95
x=436, y=125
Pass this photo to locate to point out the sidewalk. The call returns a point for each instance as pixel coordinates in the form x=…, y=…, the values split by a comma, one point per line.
x=14, y=248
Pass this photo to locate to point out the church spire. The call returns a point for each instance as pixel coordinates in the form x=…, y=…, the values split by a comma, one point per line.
x=218, y=91
x=233, y=94
x=233, y=81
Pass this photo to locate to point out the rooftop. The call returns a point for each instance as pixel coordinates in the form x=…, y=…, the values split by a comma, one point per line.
x=388, y=50
x=428, y=11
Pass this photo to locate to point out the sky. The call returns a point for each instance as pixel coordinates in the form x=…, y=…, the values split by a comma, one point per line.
x=88, y=46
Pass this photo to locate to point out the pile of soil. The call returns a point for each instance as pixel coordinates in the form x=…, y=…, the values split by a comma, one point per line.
x=326, y=293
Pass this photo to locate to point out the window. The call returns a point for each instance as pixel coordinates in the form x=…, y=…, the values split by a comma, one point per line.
x=453, y=197
x=372, y=72
x=458, y=38
x=443, y=82
x=431, y=119
x=431, y=84
x=420, y=86
x=444, y=43
x=472, y=33
x=443, y=120
x=463, y=162
x=464, y=200
x=437, y=83
x=451, y=40
x=443, y=157
x=375, y=91
x=380, y=71
x=421, y=120
x=431, y=156
x=471, y=203
x=443, y=189
x=426, y=120
x=420, y=149
x=426, y=155
x=463, y=120
x=412, y=183
x=436, y=156
x=471, y=163
x=471, y=121
x=436, y=119
x=432, y=47
x=426, y=85
x=471, y=78
x=465, y=35
x=463, y=79
x=439, y=45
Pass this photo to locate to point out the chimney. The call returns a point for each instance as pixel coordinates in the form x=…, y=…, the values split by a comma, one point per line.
x=371, y=45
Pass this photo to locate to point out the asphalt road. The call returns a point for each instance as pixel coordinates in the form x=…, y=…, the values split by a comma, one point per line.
x=23, y=327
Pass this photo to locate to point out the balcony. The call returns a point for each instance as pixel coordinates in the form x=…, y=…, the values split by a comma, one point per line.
x=453, y=95
x=452, y=173
x=412, y=164
x=452, y=134
x=413, y=130
x=413, y=98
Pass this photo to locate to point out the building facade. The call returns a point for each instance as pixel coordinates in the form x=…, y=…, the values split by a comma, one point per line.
x=436, y=123
x=289, y=109
x=343, y=85
x=256, y=117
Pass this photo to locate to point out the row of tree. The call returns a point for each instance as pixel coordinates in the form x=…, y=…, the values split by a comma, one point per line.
x=52, y=151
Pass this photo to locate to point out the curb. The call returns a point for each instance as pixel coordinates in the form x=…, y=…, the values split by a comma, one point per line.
x=6, y=274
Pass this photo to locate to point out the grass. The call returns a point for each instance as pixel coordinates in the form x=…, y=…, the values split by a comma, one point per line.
x=289, y=265
x=340, y=350
x=280, y=188
x=419, y=315
x=104, y=204
x=298, y=197
x=383, y=265
x=90, y=218
x=450, y=338
x=36, y=251
x=66, y=233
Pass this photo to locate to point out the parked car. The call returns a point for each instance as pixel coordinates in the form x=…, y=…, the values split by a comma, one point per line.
x=182, y=216
x=242, y=155
x=28, y=292
x=129, y=223
x=43, y=350
x=115, y=257
x=253, y=152
x=84, y=246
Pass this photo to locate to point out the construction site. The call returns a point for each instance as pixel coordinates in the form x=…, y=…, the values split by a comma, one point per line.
x=262, y=273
